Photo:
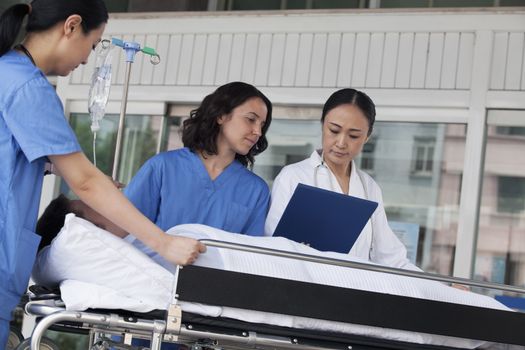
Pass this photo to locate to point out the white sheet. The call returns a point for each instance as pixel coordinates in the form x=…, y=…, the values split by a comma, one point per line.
x=98, y=270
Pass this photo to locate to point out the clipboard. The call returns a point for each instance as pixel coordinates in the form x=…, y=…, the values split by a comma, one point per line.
x=324, y=220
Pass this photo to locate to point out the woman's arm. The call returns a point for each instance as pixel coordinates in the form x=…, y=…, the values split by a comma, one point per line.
x=97, y=191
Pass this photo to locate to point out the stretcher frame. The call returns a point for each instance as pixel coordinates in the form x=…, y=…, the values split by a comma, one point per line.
x=252, y=292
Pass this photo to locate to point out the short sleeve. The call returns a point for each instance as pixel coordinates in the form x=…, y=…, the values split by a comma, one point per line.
x=35, y=116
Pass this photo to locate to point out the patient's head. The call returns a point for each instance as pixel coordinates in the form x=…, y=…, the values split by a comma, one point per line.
x=52, y=220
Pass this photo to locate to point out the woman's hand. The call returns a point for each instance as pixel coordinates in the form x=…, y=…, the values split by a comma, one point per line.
x=181, y=250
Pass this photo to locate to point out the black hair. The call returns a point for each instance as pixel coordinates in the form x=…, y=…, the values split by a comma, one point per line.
x=353, y=97
x=52, y=220
x=200, y=130
x=44, y=14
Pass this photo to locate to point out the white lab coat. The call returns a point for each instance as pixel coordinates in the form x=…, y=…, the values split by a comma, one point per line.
x=379, y=245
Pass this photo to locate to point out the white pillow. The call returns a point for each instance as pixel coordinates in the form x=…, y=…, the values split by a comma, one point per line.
x=83, y=250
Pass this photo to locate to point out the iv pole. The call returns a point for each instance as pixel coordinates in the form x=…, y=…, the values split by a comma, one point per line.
x=131, y=48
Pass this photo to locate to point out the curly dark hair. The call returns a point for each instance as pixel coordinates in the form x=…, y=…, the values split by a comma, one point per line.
x=200, y=130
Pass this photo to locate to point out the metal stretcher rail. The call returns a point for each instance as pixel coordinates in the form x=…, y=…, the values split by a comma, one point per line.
x=361, y=266
x=158, y=328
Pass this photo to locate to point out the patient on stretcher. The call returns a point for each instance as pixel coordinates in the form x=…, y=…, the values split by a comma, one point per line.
x=96, y=269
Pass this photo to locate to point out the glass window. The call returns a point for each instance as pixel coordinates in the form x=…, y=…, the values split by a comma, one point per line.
x=423, y=156
x=500, y=255
x=255, y=5
x=292, y=4
x=512, y=2
x=289, y=141
x=422, y=210
x=335, y=4
x=296, y=4
x=172, y=137
x=365, y=160
x=404, y=3
x=511, y=194
x=117, y=5
x=447, y=3
x=245, y=5
x=156, y=5
x=248, y=5
x=510, y=130
x=470, y=3
x=140, y=141
x=426, y=204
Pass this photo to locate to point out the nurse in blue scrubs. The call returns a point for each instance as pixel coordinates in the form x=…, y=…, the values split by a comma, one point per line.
x=208, y=181
x=60, y=35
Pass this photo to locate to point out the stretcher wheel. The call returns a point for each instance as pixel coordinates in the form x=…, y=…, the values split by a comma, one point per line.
x=14, y=339
x=45, y=344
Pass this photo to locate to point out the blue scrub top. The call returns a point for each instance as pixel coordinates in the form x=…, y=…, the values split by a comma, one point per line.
x=174, y=188
x=32, y=126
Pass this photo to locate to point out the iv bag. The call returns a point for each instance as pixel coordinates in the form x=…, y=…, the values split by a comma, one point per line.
x=100, y=84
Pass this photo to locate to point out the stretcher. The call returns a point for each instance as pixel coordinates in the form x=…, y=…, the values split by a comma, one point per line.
x=273, y=295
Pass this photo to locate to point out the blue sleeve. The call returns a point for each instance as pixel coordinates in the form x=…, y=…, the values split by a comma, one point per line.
x=255, y=224
x=35, y=117
x=144, y=189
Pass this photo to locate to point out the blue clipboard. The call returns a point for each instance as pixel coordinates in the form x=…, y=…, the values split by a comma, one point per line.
x=324, y=220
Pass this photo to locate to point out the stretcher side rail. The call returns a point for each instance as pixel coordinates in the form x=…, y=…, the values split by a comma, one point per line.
x=367, y=308
x=210, y=332
x=362, y=266
x=281, y=296
x=104, y=322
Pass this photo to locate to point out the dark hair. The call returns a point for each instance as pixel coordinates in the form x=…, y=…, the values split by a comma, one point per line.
x=44, y=14
x=52, y=220
x=200, y=130
x=353, y=97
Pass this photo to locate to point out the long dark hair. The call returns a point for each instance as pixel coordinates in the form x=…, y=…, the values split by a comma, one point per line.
x=353, y=97
x=44, y=14
x=200, y=130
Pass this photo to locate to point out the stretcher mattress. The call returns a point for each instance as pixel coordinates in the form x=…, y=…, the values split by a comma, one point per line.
x=98, y=270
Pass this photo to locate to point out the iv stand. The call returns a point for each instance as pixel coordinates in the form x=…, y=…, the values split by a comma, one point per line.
x=131, y=48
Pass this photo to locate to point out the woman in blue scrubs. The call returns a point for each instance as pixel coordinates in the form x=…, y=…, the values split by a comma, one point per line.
x=208, y=181
x=33, y=131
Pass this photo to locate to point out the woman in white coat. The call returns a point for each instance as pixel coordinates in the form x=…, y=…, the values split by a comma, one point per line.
x=347, y=122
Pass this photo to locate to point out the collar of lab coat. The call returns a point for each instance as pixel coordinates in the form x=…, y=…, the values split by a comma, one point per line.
x=356, y=188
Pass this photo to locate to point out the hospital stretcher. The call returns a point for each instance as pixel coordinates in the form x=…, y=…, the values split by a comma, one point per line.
x=197, y=284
